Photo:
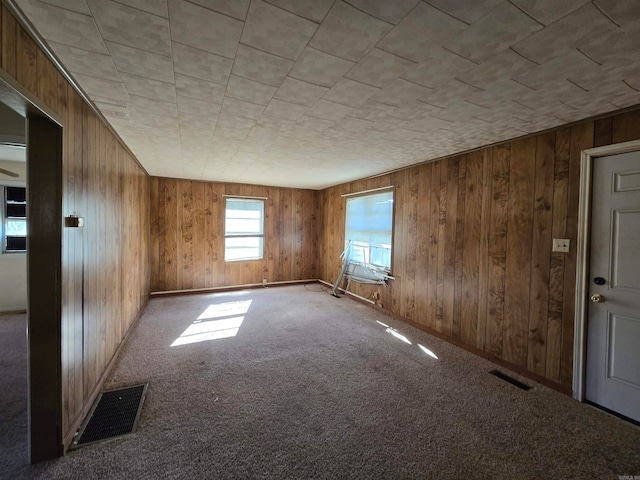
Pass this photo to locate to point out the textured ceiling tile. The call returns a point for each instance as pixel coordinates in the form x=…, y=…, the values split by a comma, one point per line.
x=499, y=94
x=567, y=33
x=233, y=8
x=623, y=12
x=250, y=91
x=200, y=64
x=619, y=46
x=378, y=68
x=82, y=61
x=260, y=66
x=441, y=67
x=506, y=64
x=157, y=7
x=196, y=124
x=314, y=124
x=146, y=105
x=146, y=87
x=100, y=89
x=167, y=126
x=390, y=12
x=285, y=110
x=132, y=27
x=296, y=91
x=499, y=29
x=351, y=93
x=276, y=31
x=235, y=128
x=64, y=26
x=199, y=89
x=314, y=10
x=320, y=68
x=556, y=70
x=445, y=94
x=142, y=63
x=197, y=108
x=329, y=110
x=548, y=11
x=352, y=124
x=216, y=33
x=79, y=6
x=401, y=92
x=468, y=12
x=422, y=29
x=231, y=106
x=348, y=33
x=116, y=115
x=374, y=111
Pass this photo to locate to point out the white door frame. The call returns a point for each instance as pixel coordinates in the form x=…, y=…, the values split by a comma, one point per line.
x=582, y=258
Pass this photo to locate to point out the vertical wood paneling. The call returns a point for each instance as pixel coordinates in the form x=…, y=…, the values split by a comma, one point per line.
x=189, y=235
x=498, y=249
x=422, y=263
x=541, y=254
x=9, y=42
x=518, y=266
x=471, y=249
x=483, y=262
x=433, y=191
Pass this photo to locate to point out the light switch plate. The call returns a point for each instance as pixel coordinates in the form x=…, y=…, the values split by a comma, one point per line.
x=561, y=245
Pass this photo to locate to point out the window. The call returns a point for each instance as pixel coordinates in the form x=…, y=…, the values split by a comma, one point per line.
x=369, y=227
x=243, y=229
x=14, y=222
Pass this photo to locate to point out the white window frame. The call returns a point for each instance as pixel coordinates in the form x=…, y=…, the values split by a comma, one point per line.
x=4, y=218
x=260, y=236
x=365, y=256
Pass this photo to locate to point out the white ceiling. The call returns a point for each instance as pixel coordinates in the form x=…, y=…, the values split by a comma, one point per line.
x=312, y=93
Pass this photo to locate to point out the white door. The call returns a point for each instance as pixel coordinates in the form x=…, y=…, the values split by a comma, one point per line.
x=613, y=327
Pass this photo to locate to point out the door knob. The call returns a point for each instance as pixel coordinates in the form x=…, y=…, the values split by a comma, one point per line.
x=597, y=298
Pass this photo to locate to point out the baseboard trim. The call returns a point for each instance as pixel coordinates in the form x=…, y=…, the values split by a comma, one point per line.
x=232, y=288
x=12, y=312
x=476, y=351
x=71, y=432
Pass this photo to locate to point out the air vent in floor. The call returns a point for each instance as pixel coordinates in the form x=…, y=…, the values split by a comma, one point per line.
x=115, y=414
x=509, y=379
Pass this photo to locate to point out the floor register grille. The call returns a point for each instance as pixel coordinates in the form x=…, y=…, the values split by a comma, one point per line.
x=115, y=414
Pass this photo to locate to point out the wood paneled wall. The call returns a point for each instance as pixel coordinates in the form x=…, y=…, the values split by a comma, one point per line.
x=105, y=265
x=472, y=244
x=187, y=235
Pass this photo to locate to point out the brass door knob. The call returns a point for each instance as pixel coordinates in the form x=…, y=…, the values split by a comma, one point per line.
x=597, y=298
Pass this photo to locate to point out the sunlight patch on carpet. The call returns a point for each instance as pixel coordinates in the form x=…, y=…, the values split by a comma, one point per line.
x=428, y=352
x=398, y=335
x=217, y=321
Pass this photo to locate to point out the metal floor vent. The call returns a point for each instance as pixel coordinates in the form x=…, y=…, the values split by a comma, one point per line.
x=509, y=379
x=114, y=414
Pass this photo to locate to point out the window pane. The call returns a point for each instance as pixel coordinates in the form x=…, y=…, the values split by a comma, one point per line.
x=16, y=210
x=369, y=224
x=244, y=216
x=16, y=194
x=16, y=228
x=16, y=244
x=243, y=248
x=244, y=229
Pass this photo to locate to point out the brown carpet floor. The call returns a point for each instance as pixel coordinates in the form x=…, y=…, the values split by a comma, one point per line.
x=291, y=383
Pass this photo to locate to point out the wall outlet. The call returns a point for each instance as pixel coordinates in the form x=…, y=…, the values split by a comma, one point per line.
x=264, y=282
x=561, y=245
